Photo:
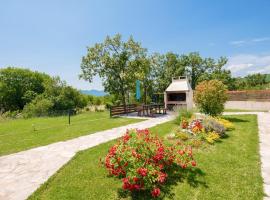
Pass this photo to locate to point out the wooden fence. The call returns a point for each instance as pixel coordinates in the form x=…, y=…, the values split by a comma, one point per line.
x=249, y=95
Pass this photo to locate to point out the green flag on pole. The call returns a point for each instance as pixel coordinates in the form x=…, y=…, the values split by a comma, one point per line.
x=138, y=90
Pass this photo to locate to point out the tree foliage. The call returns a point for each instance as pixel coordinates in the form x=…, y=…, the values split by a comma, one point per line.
x=118, y=63
x=19, y=87
x=252, y=81
x=36, y=93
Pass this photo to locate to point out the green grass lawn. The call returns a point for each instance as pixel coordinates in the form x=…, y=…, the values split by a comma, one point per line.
x=22, y=134
x=241, y=110
x=230, y=170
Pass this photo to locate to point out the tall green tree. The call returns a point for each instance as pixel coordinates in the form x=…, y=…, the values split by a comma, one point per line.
x=164, y=68
x=117, y=62
x=194, y=67
x=19, y=86
x=214, y=70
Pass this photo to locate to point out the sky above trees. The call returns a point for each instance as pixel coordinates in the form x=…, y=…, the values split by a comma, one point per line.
x=51, y=36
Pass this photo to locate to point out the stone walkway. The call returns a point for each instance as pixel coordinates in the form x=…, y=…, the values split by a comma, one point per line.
x=22, y=173
x=264, y=138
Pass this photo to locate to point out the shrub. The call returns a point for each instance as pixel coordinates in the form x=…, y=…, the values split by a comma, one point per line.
x=39, y=107
x=183, y=136
x=210, y=97
x=226, y=123
x=183, y=114
x=211, y=137
x=144, y=162
x=99, y=108
x=196, y=143
x=12, y=114
x=210, y=125
x=196, y=126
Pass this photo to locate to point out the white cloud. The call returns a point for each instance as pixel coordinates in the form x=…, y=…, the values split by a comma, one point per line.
x=241, y=65
x=238, y=42
x=250, y=41
x=260, y=39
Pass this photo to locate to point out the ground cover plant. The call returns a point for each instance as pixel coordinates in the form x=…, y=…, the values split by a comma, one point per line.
x=21, y=134
x=229, y=169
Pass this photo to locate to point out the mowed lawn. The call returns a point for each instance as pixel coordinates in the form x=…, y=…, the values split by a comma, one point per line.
x=22, y=134
x=229, y=170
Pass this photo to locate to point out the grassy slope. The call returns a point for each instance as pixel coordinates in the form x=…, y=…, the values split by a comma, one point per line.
x=18, y=135
x=231, y=171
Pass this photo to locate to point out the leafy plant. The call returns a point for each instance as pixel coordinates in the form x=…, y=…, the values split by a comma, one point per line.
x=210, y=97
x=226, y=123
x=210, y=125
x=183, y=114
x=183, y=136
x=211, y=137
x=143, y=161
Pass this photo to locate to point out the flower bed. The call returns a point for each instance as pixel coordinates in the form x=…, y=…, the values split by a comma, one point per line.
x=197, y=131
x=144, y=162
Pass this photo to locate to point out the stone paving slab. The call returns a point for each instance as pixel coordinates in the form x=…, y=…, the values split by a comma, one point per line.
x=22, y=173
x=264, y=136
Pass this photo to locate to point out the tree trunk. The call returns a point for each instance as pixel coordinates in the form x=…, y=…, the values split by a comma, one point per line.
x=145, y=94
x=124, y=100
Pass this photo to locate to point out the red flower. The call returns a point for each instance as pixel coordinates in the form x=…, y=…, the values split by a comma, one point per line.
x=113, y=150
x=184, y=124
x=126, y=184
x=142, y=171
x=162, y=177
x=136, y=186
x=184, y=166
x=135, y=179
x=155, y=192
x=193, y=163
x=181, y=152
x=126, y=138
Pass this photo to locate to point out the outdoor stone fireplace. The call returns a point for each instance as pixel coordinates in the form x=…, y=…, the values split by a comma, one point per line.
x=179, y=94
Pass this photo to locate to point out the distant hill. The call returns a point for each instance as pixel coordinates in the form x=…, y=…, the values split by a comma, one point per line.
x=98, y=93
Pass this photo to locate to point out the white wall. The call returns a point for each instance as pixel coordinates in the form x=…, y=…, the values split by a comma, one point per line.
x=248, y=105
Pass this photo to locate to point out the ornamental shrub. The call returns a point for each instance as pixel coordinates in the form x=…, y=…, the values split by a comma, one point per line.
x=210, y=97
x=226, y=123
x=212, y=125
x=183, y=114
x=143, y=161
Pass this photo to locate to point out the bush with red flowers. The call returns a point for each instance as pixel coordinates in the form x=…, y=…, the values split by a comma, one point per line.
x=143, y=161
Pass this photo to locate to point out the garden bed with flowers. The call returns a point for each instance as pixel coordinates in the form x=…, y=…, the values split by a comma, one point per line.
x=166, y=162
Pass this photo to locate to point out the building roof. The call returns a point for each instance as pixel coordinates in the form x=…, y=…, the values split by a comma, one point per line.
x=178, y=85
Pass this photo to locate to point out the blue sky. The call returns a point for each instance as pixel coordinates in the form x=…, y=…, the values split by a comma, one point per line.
x=51, y=36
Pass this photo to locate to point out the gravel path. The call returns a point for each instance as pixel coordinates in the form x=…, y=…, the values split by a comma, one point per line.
x=22, y=173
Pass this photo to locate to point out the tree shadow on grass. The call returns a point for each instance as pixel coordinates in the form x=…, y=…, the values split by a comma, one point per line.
x=174, y=177
x=235, y=119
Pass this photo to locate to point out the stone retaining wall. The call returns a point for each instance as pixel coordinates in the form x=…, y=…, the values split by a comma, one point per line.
x=248, y=105
x=249, y=95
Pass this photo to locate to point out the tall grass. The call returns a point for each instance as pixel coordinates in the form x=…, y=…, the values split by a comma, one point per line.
x=183, y=114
